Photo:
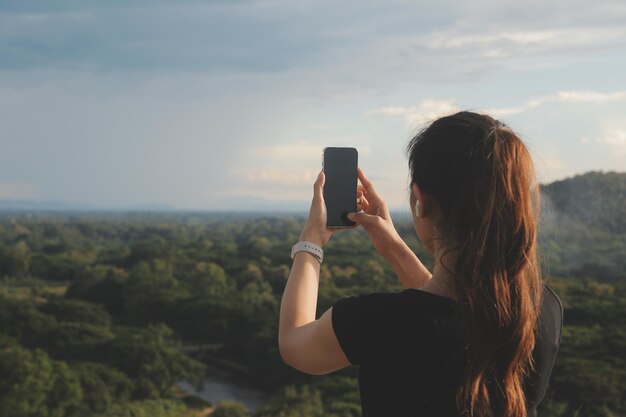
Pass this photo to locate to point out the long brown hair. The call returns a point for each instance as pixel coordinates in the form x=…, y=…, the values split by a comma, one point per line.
x=481, y=178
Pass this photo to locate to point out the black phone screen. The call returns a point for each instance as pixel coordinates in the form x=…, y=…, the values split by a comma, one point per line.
x=340, y=165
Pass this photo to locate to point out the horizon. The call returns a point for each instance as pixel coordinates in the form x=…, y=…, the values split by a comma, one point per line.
x=297, y=208
x=228, y=105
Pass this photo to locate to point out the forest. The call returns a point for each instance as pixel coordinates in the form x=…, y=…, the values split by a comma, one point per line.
x=96, y=307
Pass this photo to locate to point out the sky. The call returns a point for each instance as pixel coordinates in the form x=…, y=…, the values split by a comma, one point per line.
x=227, y=105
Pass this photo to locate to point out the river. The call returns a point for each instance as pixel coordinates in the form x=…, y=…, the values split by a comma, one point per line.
x=217, y=389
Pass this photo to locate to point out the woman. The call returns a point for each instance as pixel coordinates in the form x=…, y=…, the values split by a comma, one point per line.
x=476, y=337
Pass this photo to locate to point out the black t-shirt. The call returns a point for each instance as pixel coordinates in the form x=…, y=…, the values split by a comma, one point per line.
x=409, y=348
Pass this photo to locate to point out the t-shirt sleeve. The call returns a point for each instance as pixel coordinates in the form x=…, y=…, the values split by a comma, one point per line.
x=359, y=324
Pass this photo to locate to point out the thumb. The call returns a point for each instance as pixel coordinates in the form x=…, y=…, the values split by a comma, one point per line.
x=318, y=187
x=363, y=218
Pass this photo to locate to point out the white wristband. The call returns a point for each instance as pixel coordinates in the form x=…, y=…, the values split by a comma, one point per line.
x=312, y=248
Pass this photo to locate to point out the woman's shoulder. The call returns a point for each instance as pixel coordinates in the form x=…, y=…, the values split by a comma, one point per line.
x=551, y=316
x=427, y=295
x=407, y=295
x=417, y=298
x=407, y=304
x=551, y=299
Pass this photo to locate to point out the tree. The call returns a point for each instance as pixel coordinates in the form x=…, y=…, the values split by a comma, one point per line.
x=150, y=358
x=230, y=409
x=102, y=386
x=207, y=279
x=151, y=292
x=33, y=385
x=75, y=311
x=294, y=402
x=16, y=260
x=22, y=320
x=75, y=341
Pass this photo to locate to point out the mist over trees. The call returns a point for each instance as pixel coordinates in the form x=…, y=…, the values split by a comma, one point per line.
x=583, y=226
x=95, y=307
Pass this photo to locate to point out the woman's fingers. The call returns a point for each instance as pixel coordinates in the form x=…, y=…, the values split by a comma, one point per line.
x=368, y=187
x=362, y=204
x=366, y=183
x=364, y=219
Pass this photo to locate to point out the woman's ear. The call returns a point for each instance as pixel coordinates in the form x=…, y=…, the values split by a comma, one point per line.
x=425, y=202
x=419, y=208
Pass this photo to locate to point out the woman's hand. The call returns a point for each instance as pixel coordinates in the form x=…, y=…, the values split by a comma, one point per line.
x=375, y=218
x=315, y=230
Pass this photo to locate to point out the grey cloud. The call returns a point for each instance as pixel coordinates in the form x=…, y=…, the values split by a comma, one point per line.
x=310, y=48
x=241, y=36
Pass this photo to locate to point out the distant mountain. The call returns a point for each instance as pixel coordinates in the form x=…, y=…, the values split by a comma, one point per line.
x=40, y=205
x=595, y=199
x=53, y=205
x=232, y=204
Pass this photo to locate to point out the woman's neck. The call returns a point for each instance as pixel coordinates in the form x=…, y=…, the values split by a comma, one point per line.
x=442, y=281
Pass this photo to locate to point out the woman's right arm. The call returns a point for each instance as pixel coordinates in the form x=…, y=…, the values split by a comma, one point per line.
x=377, y=223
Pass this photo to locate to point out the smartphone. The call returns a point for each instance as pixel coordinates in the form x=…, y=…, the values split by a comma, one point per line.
x=339, y=166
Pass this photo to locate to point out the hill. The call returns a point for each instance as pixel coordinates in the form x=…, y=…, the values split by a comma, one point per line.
x=583, y=226
x=595, y=199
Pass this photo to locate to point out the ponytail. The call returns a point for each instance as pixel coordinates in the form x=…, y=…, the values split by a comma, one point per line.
x=481, y=178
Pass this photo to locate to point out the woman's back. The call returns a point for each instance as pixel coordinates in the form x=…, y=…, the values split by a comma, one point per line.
x=475, y=203
x=410, y=349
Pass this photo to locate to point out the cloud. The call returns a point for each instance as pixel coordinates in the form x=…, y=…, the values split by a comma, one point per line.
x=155, y=36
x=564, y=97
x=505, y=111
x=283, y=167
x=183, y=102
x=549, y=165
x=300, y=151
x=430, y=109
x=577, y=97
x=427, y=110
x=276, y=176
x=510, y=43
x=287, y=42
x=18, y=190
x=285, y=171
x=110, y=139
x=615, y=138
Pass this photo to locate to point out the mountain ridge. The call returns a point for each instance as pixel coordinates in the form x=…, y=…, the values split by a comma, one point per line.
x=596, y=199
x=603, y=194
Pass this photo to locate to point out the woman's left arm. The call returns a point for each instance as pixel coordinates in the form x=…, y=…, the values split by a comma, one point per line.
x=307, y=344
